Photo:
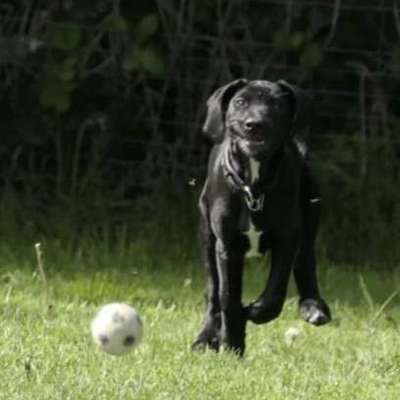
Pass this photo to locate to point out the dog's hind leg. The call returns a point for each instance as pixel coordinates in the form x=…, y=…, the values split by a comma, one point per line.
x=312, y=307
x=230, y=257
x=209, y=334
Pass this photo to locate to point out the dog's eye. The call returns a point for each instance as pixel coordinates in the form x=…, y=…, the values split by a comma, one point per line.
x=240, y=102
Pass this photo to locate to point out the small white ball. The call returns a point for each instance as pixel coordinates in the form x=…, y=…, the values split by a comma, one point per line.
x=117, y=328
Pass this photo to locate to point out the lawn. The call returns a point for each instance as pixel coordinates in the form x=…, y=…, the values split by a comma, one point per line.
x=46, y=351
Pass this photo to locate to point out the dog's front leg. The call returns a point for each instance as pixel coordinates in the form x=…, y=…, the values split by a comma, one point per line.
x=210, y=332
x=233, y=318
x=269, y=304
x=313, y=307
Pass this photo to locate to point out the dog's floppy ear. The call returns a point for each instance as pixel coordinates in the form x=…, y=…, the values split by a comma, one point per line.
x=302, y=106
x=217, y=103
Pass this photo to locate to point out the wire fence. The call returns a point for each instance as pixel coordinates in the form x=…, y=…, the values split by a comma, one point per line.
x=345, y=52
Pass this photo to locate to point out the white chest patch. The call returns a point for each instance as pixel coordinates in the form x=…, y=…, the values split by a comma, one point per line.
x=254, y=169
x=254, y=241
x=252, y=234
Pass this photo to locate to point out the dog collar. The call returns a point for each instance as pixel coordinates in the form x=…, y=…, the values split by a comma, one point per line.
x=253, y=203
x=254, y=196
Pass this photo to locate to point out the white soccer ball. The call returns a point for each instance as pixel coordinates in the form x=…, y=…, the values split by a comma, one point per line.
x=117, y=328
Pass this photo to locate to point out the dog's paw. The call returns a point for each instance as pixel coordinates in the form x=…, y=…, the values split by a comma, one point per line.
x=206, y=341
x=236, y=349
x=210, y=335
x=234, y=344
x=233, y=340
x=261, y=312
x=314, y=311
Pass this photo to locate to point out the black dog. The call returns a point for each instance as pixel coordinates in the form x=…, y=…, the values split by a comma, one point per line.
x=258, y=195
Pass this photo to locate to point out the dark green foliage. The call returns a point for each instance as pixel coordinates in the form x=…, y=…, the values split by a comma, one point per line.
x=361, y=208
x=101, y=104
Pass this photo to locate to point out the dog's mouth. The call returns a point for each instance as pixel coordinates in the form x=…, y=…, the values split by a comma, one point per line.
x=253, y=139
x=254, y=136
x=255, y=142
x=252, y=147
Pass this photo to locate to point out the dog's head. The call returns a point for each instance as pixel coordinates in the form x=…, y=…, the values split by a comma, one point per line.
x=259, y=115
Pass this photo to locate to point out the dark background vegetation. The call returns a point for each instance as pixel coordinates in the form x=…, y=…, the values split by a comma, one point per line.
x=101, y=104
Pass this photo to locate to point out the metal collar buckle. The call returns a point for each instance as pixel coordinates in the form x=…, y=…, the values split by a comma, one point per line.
x=253, y=203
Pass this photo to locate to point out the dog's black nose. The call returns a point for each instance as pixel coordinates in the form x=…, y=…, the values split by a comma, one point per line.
x=252, y=124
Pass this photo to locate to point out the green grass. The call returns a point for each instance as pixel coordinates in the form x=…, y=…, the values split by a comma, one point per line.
x=47, y=352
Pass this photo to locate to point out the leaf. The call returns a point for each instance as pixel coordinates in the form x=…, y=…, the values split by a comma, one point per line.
x=282, y=40
x=148, y=59
x=312, y=55
x=288, y=40
x=56, y=94
x=132, y=60
x=395, y=60
x=116, y=23
x=65, y=36
x=147, y=27
x=152, y=61
x=66, y=70
x=297, y=39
